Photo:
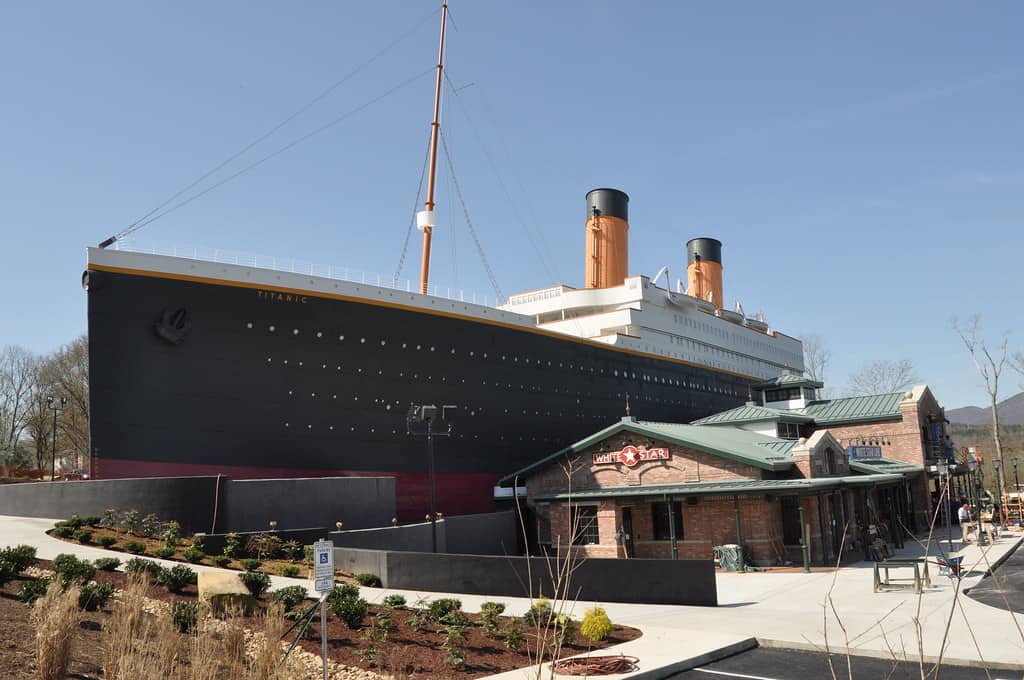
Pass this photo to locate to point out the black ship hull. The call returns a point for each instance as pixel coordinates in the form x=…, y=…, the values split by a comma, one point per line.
x=194, y=376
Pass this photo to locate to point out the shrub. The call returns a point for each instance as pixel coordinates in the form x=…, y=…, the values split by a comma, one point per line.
x=83, y=536
x=596, y=625
x=33, y=589
x=62, y=531
x=489, y=613
x=185, y=615
x=539, y=613
x=255, y=582
x=107, y=563
x=197, y=542
x=165, y=552
x=93, y=596
x=232, y=543
x=69, y=569
x=7, y=572
x=91, y=520
x=193, y=554
x=292, y=550
x=139, y=565
x=177, y=578
x=395, y=601
x=289, y=570
x=565, y=630
x=367, y=579
x=417, y=620
x=130, y=522
x=455, y=618
x=75, y=522
x=135, y=547
x=20, y=556
x=149, y=526
x=289, y=596
x=172, y=532
x=351, y=610
x=439, y=608
x=512, y=636
x=109, y=519
x=264, y=546
x=343, y=590
x=250, y=564
x=454, y=646
x=107, y=541
x=221, y=560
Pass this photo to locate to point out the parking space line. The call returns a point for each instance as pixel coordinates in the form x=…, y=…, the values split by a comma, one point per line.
x=734, y=675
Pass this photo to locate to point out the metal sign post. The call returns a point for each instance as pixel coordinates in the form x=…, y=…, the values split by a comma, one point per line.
x=323, y=583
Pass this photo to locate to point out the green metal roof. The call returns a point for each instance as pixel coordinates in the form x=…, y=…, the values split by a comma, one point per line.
x=884, y=466
x=854, y=409
x=752, y=413
x=787, y=379
x=729, y=488
x=767, y=453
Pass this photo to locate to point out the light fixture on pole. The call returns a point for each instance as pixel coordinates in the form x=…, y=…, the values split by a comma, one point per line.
x=420, y=420
x=943, y=469
x=56, y=405
x=1016, y=481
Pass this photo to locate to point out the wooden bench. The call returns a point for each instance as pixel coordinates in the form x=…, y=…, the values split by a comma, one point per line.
x=920, y=579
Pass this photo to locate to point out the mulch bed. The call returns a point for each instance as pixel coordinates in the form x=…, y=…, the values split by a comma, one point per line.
x=406, y=652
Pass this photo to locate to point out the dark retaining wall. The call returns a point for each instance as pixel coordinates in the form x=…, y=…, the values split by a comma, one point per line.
x=404, y=537
x=686, y=582
x=186, y=499
x=492, y=533
x=359, y=502
x=243, y=505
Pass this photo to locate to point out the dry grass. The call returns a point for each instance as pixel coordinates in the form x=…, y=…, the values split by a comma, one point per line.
x=56, y=616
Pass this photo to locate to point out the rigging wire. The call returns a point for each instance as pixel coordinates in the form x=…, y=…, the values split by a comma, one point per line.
x=279, y=151
x=469, y=222
x=140, y=222
x=412, y=218
x=535, y=241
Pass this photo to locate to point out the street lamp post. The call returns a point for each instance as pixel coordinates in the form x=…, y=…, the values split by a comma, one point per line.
x=418, y=416
x=943, y=469
x=997, y=465
x=56, y=405
x=1016, y=480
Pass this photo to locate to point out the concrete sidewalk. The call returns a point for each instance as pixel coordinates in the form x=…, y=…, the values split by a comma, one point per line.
x=783, y=609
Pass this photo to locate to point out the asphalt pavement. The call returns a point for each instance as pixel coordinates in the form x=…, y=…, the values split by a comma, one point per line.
x=786, y=664
x=1003, y=588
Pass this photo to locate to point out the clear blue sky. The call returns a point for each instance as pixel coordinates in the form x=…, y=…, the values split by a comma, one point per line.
x=862, y=164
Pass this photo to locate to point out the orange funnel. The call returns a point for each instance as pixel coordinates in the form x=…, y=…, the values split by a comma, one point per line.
x=607, y=238
x=704, y=269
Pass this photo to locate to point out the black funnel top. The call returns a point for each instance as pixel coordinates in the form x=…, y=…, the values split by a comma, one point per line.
x=608, y=202
x=708, y=248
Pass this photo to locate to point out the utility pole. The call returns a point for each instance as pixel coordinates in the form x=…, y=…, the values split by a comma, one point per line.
x=420, y=420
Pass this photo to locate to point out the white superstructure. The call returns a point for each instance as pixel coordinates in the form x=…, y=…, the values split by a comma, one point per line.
x=641, y=316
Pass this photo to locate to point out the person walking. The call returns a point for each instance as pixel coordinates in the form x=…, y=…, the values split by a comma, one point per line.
x=964, y=517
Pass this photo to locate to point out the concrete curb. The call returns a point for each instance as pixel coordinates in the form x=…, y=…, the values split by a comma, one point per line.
x=695, y=661
x=878, y=654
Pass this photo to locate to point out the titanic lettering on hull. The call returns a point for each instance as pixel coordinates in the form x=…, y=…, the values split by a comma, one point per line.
x=631, y=455
x=281, y=297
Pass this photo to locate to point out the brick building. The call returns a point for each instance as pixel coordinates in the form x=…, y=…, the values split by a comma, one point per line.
x=909, y=427
x=646, y=489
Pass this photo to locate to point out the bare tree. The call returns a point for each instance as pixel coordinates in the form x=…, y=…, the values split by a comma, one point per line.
x=66, y=374
x=816, y=357
x=882, y=377
x=990, y=363
x=17, y=382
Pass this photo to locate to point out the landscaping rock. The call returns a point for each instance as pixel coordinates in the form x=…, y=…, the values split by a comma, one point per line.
x=222, y=592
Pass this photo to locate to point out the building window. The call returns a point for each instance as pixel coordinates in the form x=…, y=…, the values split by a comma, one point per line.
x=830, y=461
x=659, y=520
x=788, y=431
x=543, y=523
x=584, y=525
x=782, y=395
x=791, y=520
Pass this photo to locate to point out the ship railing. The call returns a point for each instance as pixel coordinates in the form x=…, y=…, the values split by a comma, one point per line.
x=296, y=266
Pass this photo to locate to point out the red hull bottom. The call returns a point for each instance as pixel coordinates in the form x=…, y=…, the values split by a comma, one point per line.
x=457, y=493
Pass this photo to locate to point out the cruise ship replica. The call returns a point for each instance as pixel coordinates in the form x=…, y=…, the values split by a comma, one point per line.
x=208, y=367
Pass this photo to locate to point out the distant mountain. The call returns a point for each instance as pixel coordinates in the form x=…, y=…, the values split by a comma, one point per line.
x=1011, y=412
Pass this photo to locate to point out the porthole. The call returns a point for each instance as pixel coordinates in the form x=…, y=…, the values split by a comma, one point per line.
x=331, y=427
x=300, y=363
x=319, y=334
x=268, y=360
x=341, y=337
x=339, y=367
x=383, y=342
x=323, y=365
x=289, y=393
x=362, y=340
x=404, y=345
x=313, y=394
x=309, y=427
x=286, y=362
x=249, y=325
x=432, y=348
x=295, y=331
x=287, y=425
x=334, y=396
x=388, y=407
x=271, y=329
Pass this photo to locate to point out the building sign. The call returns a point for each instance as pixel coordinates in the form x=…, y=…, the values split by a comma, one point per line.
x=631, y=455
x=864, y=452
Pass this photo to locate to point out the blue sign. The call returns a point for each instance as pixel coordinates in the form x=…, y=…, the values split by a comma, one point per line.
x=864, y=452
x=323, y=558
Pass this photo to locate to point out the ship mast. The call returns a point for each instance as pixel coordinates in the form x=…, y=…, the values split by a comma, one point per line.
x=425, y=218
